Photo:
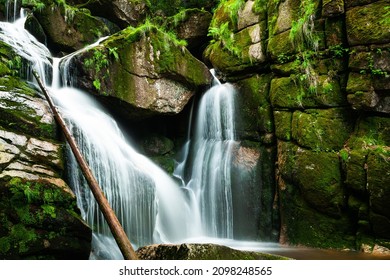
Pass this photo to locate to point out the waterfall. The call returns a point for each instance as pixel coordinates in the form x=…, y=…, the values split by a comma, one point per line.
x=151, y=206
x=211, y=159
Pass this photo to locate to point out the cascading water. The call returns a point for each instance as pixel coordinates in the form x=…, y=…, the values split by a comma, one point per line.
x=210, y=168
x=150, y=205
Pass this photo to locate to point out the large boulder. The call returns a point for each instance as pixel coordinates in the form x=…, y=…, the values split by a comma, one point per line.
x=192, y=25
x=368, y=24
x=121, y=12
x=142, y=71
x=200, y=252
x=68, y=28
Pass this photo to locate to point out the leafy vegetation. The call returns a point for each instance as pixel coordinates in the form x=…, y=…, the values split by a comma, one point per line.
x=99, y=62
x=222, y=33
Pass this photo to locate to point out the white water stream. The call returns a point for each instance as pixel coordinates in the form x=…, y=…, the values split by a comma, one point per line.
x=151, y=206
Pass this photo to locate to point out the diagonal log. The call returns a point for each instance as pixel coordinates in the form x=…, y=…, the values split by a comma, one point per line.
x=112, y=220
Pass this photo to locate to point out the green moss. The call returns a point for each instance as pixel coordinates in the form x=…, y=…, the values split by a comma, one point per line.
x=361, y=33
x=167, y=163
x=303, y=225
x=378, y=181
x=322, y=130
x=5, y=245
x=283, y=121
x=319, y=177
x=256, y=113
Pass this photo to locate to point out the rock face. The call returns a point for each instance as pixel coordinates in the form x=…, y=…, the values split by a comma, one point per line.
x=38, y=212
x=67, y=28
x=316, y=96
x=121, y=12
x=143, y=71
x=199, y=252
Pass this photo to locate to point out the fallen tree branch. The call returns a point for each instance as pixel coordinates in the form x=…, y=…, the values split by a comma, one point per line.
x=113, y=222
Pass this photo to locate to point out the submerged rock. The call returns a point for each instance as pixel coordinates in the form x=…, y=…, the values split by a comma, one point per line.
x=200, y=252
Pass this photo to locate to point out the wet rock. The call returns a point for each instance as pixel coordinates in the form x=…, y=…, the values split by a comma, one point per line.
x=121, y=12
x=68, y=28
x=192, y=25
x=146, y=72
x=199, y=252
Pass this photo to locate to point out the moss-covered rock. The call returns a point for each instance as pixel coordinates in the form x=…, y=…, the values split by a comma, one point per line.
x=143, y=72
x=255, y=117
x=335, y=36
x=325, y=130
x=239, y=38
x=302, y=225
x=294, y=93
x=378, y=181
x=355, y=170
x=368, y=24
x=280, y=44
x=41, y=221
x=283, y=127
x=191, y=25
x=121, y=12
x=200, y=252
x=318, y=175
x=68, y=28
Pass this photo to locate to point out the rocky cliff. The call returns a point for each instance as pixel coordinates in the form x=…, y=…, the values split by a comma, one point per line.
x=325, y=109
x=313, y=79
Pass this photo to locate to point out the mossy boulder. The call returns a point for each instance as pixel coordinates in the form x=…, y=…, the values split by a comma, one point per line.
x=283, y=122
x=280, y=44
x=294, y=93
x=68, y=28
x=142, y=72
x=255, y=118
x=287, y=12
x=368, y=24
x=239, y=38
x=378, y=180
x=191, y=25
x=41, y=221
x=25, y=113
x=121, y=12
x=378, y=183
x=355, y=170
x=369, y=84
x=303, y=225
x=200, y=252
x=316, y=174
x=325, y=130
x=248, y=51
